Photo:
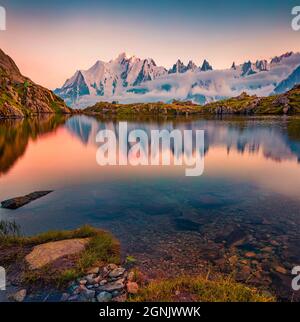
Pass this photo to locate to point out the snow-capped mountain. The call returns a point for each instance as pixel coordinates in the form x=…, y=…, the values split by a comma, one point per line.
x=289, y=82
x=109, y=79
x=179, y=67
x=206, y=66
x=131, y=79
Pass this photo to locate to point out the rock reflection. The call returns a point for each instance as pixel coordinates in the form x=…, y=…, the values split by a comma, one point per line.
x=15, y=135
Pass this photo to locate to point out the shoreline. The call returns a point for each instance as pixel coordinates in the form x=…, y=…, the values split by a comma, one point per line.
x=104, y=280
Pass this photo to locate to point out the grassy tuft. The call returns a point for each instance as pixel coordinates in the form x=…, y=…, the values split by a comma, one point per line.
x=53, y=235
x=9, y=229
x=101, y=248
x=199, y=289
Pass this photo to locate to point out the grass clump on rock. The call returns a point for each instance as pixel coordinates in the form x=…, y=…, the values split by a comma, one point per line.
x=101, y=248
x=199, y=289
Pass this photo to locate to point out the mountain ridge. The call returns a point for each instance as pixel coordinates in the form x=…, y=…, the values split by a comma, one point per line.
x=132, y=79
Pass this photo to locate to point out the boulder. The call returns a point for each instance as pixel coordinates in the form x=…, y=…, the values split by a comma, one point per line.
x=44, y=254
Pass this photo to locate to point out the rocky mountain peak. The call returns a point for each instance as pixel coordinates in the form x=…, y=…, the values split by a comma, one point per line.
x=178, y=67
x=247, y=69
x=7, y=65
x=191, y=66
x=122, y=56
x=278, y=59
x=206, y=66
x=261, y=65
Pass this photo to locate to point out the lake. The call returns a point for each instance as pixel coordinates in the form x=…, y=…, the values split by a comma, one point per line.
x=242, y=216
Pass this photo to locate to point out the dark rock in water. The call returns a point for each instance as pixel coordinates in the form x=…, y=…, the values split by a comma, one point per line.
x=208, y=202
x=235, y=237
x=18, y=202
x=185, y=224
x=248, y=247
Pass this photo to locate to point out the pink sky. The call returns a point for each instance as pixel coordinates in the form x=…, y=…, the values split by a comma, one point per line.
x=50, y=51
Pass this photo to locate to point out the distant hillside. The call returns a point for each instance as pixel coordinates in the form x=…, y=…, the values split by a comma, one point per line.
x=20, y=97
x=288, y=103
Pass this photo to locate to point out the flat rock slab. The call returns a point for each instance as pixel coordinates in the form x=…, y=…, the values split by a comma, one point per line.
x=18, y=202
x=44, y=254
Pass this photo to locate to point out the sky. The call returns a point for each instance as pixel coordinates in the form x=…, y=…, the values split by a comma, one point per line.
x=49, y=41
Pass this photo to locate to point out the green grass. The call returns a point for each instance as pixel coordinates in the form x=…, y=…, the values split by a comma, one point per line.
x=199, y=289
x=56, y=107
x=175, y=108
x=9, y=229
x=102, y=247
x=53, y=235
x=130, y=259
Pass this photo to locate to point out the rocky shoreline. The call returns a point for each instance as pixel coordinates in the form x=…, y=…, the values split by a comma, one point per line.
x=110, y=283
x=75, y=266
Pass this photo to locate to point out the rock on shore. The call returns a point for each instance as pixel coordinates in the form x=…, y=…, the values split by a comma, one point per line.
x=109, y=284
